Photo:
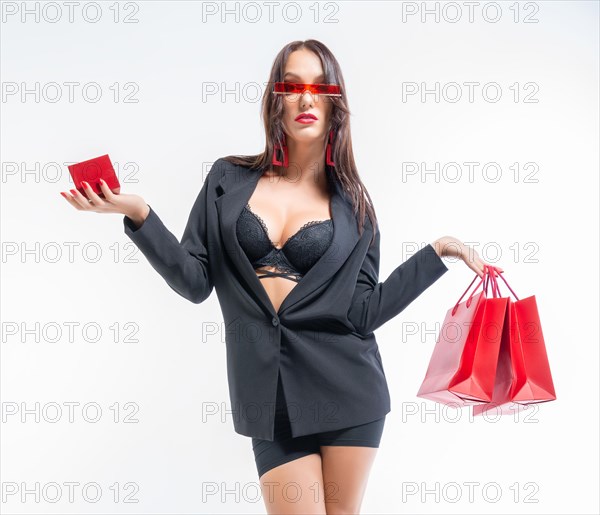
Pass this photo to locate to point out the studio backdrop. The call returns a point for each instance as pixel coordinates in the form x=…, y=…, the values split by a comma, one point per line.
x=475, y=120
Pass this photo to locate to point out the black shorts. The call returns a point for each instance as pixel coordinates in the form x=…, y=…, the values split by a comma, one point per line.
x=284, y=448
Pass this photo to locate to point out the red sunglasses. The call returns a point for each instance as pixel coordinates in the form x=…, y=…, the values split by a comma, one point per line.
x=290, y=88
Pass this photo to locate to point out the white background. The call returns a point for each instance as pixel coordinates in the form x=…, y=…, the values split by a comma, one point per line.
x=545, y=228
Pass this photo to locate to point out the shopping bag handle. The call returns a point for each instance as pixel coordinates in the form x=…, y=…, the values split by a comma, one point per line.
x=495, y=271
x=484, y=280
x=490, y=278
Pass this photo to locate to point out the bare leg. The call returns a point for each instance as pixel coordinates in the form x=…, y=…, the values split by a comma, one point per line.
x=296, y=487
x=345, y=474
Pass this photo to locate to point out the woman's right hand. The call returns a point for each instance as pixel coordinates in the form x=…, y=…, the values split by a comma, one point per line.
x=132, y=206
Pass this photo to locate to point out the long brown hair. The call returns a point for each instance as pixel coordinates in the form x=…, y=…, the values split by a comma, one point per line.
x=272, y=109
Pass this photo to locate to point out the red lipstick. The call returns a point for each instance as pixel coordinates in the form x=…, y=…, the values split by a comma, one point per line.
x=306, y=118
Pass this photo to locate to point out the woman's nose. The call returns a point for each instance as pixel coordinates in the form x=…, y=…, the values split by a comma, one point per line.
x=307, y=98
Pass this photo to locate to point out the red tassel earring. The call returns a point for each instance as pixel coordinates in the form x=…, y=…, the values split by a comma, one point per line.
x=283, y=148
x=328, y=158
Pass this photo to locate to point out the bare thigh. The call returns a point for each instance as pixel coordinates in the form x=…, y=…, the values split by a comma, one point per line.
x=296, y=487
x=346, y=472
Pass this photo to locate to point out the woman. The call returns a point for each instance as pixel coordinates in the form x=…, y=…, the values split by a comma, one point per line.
x=284, y=229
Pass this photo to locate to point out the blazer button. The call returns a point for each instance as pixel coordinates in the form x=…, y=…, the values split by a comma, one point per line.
x=275, y=322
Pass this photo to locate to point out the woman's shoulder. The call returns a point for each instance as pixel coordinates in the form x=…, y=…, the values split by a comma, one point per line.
x=234, y=167
x=221, y=166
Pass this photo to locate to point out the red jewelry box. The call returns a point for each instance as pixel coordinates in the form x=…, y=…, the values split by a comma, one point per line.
x=91, y=171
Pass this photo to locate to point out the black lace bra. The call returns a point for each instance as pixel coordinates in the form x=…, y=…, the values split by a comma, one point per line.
x=298, y=254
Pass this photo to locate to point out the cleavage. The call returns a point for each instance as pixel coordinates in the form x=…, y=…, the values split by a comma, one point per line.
x=266, y=229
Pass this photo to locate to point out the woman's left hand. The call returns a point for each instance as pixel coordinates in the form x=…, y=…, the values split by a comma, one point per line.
x=450, y=246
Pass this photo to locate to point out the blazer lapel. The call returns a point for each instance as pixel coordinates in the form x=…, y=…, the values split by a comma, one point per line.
x=237, y=184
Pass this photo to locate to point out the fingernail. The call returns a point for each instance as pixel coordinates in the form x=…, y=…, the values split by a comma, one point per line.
x=73, y=192
x=63, y=194
x=85, y=184
x=101, y=181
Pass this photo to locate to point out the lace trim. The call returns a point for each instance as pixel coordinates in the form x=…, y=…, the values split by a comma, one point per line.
x=276, y=259
x=293, y=275
x=265, y=228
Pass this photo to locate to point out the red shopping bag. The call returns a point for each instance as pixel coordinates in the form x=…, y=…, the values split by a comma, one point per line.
x=462, y=368
x=523, y=374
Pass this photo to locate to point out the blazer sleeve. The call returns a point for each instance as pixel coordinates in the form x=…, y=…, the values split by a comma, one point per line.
x=374, y=302
x=183, y=265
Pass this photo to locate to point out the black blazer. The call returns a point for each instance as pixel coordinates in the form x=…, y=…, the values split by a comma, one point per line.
x=321, y=339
